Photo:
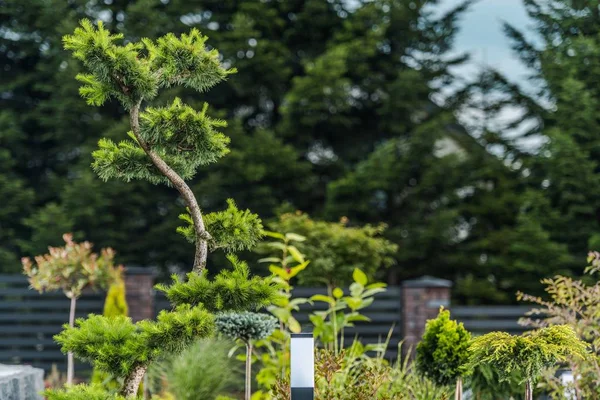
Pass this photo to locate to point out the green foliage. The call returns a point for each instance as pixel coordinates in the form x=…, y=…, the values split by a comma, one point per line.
x=70, y=268
x=337, y=249
x=274, y=351
x=81, y=392
x=233, y=290
x=246, y=326
x=116, y=71
x=351, y=375
x=186, y=61
x=527, y=355
x=184, y=138
x=343, y=310
x=203, y=371
x=443, y=352
x=231, y=230
x=485, y=384
x=116, y=345
x=115, y=305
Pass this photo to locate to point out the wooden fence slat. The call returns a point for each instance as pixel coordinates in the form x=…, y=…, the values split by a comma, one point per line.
x=58, y=305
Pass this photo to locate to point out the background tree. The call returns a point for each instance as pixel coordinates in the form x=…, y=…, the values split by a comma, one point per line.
x=572, y=301
x=384, y=60
x=443, y=352
x=72, y=269
x=527, y=355
x=558, y=119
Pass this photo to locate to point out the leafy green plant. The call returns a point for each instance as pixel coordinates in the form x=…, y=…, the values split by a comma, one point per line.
x=574, y=302
x=71, y=268
x=274, y=352
x=336, y=249
x=529, y=354
x=443, y=352
x=246, y=327
x=343, y=310
x=352, y=375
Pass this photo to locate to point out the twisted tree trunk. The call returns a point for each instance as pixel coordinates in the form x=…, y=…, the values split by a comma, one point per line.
x=132, y=382
x=202, y=236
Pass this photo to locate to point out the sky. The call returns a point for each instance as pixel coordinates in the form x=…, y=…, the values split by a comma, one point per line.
x=481, y=35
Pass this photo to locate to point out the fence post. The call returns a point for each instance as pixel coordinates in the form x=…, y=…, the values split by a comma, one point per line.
x=421, y=300
x=139, y=292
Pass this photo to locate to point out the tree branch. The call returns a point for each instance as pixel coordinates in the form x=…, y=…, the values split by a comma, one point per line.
x=202, y=236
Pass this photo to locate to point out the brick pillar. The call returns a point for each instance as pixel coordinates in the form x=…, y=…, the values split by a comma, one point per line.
x=421, y=300
x=139, y=292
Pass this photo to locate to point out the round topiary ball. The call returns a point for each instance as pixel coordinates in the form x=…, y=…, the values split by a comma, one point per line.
x=246, y=326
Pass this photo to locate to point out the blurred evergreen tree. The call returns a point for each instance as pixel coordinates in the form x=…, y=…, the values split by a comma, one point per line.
x=316, y=79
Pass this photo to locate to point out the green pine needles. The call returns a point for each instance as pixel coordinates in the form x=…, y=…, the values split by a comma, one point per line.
x=443, y=352
x=166, y=145
x=527, y=354
x=231, y=230
x=233, y=290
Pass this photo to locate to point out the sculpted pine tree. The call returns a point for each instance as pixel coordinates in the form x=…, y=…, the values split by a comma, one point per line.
x=165, y=145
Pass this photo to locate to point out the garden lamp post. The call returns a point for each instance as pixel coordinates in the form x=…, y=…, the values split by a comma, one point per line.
x=302, y=381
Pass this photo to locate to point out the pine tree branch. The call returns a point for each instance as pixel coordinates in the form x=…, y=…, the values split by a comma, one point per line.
x=202, y=236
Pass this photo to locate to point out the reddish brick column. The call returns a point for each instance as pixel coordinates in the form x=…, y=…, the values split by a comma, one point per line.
x=421, y=300
x=139, y=292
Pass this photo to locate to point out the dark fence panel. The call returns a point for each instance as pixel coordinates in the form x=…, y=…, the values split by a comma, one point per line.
x=28, y=320
x=483, y=319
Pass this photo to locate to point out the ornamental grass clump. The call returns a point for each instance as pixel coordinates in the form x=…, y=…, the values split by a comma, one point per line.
x=246, y=327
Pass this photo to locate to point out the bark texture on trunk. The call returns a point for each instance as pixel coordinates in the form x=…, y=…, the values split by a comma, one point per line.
x=528, y=391
x=458, y=393
x=132, y=382
x=248, y=371
x=70, y=362
x=202, y=236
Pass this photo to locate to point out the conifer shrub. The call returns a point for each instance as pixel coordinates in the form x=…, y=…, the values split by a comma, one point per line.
x=528, y=354
x=443, y=352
